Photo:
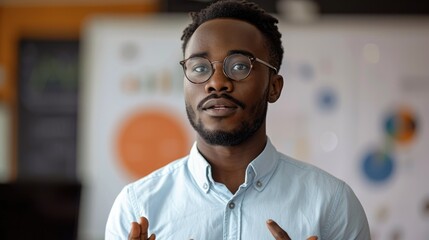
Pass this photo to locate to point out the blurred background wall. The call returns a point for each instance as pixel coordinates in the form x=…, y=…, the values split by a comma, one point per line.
x=91, y=99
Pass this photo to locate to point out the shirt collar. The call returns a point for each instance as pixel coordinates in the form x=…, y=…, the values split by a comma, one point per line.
x=199, y=168
x=262, y=166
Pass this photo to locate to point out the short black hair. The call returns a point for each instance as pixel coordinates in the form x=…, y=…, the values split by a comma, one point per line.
x=242, y=10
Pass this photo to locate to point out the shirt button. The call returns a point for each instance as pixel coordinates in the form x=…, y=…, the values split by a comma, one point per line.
x=259, y=184
x=231, y=205
x=205, y=186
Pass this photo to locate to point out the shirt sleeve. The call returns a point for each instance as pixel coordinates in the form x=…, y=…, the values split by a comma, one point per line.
x=347, y=219
x=120, y=217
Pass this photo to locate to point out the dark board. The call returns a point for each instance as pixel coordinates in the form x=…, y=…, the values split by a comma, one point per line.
x=48, y=72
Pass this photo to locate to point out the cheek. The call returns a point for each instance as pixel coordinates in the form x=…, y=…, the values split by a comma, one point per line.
x=253, y=93
x=187, y=87
x=192, y=94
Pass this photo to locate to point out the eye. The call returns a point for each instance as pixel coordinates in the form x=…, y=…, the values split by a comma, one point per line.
x=240, y=67
x=201, y=68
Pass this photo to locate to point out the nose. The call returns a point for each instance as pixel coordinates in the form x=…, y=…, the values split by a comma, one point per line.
x=219, y=82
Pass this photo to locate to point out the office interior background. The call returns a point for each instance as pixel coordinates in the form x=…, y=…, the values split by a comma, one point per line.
x=91, y=99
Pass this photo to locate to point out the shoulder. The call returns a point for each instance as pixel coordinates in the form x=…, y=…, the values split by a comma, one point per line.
x=306, y=172
x=309, y=180
x=159, y=177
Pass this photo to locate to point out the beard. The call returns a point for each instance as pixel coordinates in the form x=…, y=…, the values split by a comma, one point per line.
x=244, y=131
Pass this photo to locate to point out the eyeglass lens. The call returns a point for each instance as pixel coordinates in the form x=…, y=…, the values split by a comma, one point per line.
x=235, y=66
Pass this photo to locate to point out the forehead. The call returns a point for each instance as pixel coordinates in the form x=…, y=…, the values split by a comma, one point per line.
x=215, y=38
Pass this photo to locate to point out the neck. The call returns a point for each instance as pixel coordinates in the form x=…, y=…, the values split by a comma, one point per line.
x=229, y=163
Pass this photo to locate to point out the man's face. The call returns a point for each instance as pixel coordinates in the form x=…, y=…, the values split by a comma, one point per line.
x=223, y=111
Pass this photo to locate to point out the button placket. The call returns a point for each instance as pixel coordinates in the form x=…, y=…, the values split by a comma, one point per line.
x=232, y=219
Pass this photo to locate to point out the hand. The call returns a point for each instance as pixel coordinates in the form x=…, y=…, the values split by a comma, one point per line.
x=279, y=233
x=139, y=230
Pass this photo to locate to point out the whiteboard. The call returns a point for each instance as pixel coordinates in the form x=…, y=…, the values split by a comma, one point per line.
x=354, y=103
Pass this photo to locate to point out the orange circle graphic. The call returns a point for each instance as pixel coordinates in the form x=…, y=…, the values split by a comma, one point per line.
x=149, y=140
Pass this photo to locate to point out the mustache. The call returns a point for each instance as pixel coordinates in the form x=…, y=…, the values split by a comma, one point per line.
x=223, y=95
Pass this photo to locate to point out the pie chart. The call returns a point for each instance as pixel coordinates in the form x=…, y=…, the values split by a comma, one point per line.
x=401, y=126
x=378, y=166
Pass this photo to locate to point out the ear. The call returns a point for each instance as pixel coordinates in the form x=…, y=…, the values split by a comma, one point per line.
x=276, y=86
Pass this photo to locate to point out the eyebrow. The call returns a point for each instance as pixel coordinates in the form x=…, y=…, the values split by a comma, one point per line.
x=244, y=52
x=202, y=54
x=230, y=52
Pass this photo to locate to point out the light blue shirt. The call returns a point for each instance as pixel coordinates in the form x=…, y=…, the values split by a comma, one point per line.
x=182, y=202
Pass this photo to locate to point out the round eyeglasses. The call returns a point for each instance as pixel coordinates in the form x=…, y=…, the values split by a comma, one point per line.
x=236, y=66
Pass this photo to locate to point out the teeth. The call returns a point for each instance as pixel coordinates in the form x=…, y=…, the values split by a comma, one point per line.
x=219, y=107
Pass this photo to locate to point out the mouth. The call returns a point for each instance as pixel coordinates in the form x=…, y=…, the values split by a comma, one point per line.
x=219, y=107
x=218, y=103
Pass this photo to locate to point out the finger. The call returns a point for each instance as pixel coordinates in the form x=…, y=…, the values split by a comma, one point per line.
x=153, y=237
x=312, y=238
x=277, y=232
x=144, y=225
x=134, y=232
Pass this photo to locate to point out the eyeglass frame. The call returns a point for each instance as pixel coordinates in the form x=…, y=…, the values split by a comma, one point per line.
x=252, y=59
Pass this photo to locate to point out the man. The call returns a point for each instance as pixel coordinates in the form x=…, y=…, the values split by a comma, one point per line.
x=234, y=184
